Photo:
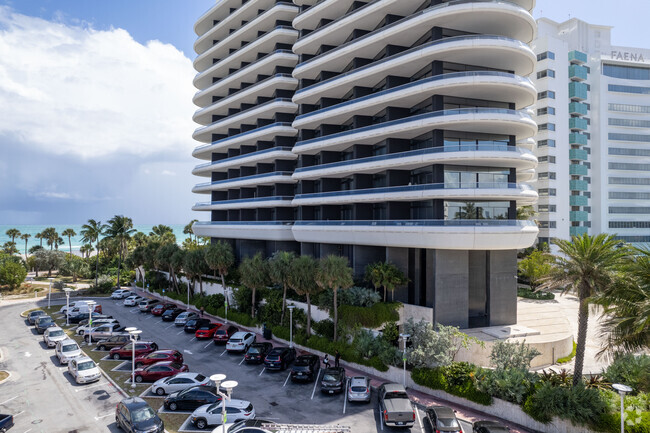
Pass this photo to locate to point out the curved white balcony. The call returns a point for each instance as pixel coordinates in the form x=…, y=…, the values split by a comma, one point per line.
x=528, y=143
x=245, y=181
x=521, y=193
x=249, y=116
x=247, y=12
x=485, y=85
x=261, y=156
x=263, y=230
x=245, y=203
x=264, y=66
x=265, y=133
x=525, y=175
x=494, y=52
x=216, y=13
x=248, y=95
x=489, y=17
x=483, y=120
x=247, y=54
x=482, y=155
x=430, y=234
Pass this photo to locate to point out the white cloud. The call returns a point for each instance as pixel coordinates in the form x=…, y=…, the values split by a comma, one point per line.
x=73, y=90
x=167, y=173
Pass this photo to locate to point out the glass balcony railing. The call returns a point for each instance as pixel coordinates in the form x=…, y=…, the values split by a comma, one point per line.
x=577, y=91
x=245, y=178
x=419, y=117
x=578, y=123
x=578, y=215
x=413, y=188
x=430, y=150
x=577, y=57
x=577, y=138
x=408, y=223
x=578, y=169
x=578, y=108
x=246, y=155
x=399, y=89
x=577, y=231
x=578, y=200
x=578, y=155
x=578, y=185
x=244, y=223
x=577, y=73
x=243, y=134
x=245, y=200
x=255, y=107
x=211, y=50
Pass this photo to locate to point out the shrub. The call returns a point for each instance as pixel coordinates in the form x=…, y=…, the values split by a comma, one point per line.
x=436, y=378
x=506, y=355
x=563, y=378
x=12, y=274
x=211, y=303
x=324, y=328
x=525, y=292
x=390, y=332
x=577, y=404
x=631, y=370
x=512, y=385
x=568, y=357
x=354, y=296
x=369, y=317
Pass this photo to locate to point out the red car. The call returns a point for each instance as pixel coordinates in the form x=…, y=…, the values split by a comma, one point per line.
x=207, y=331
x=222, y=335
x=159, y=309
x=141, y=348
x=159, y=356
x=159, y=370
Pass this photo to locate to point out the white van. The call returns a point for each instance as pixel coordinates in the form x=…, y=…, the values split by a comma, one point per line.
x=72, y=305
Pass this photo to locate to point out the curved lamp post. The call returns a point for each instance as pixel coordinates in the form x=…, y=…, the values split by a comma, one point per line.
x=133, y=336
x=622, y=390
x=405, y=338
x=91, y=310
x=67, y=291
x=291, y=307
x=228, y=385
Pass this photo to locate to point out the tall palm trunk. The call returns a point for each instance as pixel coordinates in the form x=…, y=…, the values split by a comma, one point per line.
x=97, y=264
x=336, y=314
x=25, y=249
x=70, y=245
x=308, y=316
x=119, y=265
x=583, y=319
x=253, y=305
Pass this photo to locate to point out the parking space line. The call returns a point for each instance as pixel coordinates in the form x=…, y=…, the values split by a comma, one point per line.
x=181, y=331
x=417, y=413
x=206, y=346
x=21, y=412
x=286, y=380
x=315, y=384
x=192, y=339
x=242, y=360
x=224, y=352
x=169, y=326
x=345, y=400
x=381, y=420
x=90, y=386
x=263, y=370
x=7, y=401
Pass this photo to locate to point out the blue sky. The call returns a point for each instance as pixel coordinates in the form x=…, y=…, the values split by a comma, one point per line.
x=95, y=104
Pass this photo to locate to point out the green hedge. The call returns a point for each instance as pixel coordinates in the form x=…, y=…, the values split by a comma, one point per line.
x=436, y=378
x=525, y=292
x=369, y=317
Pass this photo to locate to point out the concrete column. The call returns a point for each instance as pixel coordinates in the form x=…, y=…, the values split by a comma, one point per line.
x=451, y=294
x=502, y=287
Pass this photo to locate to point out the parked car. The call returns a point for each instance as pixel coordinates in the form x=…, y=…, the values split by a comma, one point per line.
x=280, y=358
x=159, y=309
x=72, y=305
x=82, y=329
x=222, y=335
x=257, y=352
x=182, y=318
x=132, y=300
x=126, y=351
x=158, y=356
x=190, y=399
x=333, y=380
x=121, y=294
x=305, y=368
x=359, y=389
x=211, y=414
x=82, y=319
x=66, y=350
x=244, y=426
x=104, y=331
x=489, y=427
x=6, y=422
x=133, y=414
x=44, y=322
x=146, y=305
x=240, y=341
x=83, y=370
x=207, y=330
x=52, y=335
x=84, y=309
x=395, y=405
x=118, y=340
x=180, y=382
x=171, y=314
x=193, y=324
x=442, y=419
x=159, y=370
x=33, y=315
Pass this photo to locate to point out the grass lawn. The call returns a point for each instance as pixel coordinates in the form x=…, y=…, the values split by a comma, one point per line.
x=3, y=375
x=66, y=279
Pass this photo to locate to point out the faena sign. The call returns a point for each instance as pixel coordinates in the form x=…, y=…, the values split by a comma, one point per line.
x=625, y=55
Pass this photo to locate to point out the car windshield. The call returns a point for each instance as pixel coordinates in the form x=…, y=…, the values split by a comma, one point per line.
x=395, y=394
x=69, y=348
x=447, y=422
x=86, y=365
x=331, y=377
x=57, y=333
x=182, y=315
x=143, y=414
x=199, y=378
x=221, y=332
x=253, y=350
x=205, y=328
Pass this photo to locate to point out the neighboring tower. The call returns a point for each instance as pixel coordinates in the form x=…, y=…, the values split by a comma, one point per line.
x=244, y=67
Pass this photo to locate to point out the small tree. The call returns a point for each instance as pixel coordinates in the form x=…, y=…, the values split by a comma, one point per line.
x=505, y=355
x=334, y=273
x=302, y=279
x=279, y=269
x=69, y=233
x=12, y=274
x=435, y=346
x=386, y=275
x=75, y=266
x=194, y=266
x=219, y=257
x=535, y=267
x=254, y=274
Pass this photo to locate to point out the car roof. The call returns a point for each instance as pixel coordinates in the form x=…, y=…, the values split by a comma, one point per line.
x=67, y=341
x=394, y=387
x=170, y=351
x=240, y=334
x=134, y=402
x=84, y=359
x=37, y=312
x=358, y=380
x=443, y=411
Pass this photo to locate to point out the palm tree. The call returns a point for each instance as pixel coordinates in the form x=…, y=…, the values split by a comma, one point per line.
x=254, y=274
x=91, y=231
x=163, y=234
x=187, y=230
x=220, y=258
x=393, y=277
x=59, y=241
x=163, y=258
x=39, y=237
x=334, y=273
x=86, y=249
x=374, y=274
x=626, y=327
x=51, y=236
x=140, y=239
x=69, y=233
x=280, y=266
x=176, y=263
x=120, y=229
x=587, y=266
x=194, y=266
x=13, y=234
x=25, y=237
x=302, y=279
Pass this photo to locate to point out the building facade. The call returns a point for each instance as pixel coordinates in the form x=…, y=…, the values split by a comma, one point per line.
x=594, y=140
x=410, y=140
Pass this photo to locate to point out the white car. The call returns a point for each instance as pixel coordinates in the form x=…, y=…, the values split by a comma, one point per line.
x=121, y=293
x=240, y=341
x=66, y=350
x=81, y=330
x=52, y=335
x=179, y=382
x=73, y=305
x=210, y=414
x=84, y=370
x=132, y=300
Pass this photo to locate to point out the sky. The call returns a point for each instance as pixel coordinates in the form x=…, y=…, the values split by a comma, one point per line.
x=96, y=111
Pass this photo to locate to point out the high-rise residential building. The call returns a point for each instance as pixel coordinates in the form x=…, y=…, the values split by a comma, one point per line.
x=408, y=139
x=593, y=143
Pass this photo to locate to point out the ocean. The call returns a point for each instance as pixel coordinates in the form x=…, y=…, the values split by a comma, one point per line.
x=75, y=240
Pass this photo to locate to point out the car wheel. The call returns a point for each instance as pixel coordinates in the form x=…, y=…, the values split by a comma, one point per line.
x=173, y=406
x=201, y=423
x=117, y=423
x=81, y=332
x=102, y=347
x=160, y=391
x=138, y=379
x=116, y=356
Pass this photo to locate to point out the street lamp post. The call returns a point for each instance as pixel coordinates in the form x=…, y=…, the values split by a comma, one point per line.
x=291, y=307
x=91, y=309
x=50, y=294
x=189, y=283
x=228, y=385
x=67, y=291
x=404, y=338
x=622, y=390
x=133, y=336
x=225, y=292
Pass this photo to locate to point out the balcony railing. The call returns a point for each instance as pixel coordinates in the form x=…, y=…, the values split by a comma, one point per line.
x=245, y=200
x=244, y=178
x=245, y=155
x=409, y=223
x=254, y=107
x=243, y=134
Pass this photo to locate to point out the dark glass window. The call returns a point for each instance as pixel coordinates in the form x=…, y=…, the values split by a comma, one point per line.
x=629, y=137
x=631, y=123
x=626, y=72
x=546, y=55
x=474, y=210
x=628, y=89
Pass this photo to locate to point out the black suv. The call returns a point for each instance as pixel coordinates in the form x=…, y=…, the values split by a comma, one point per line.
x=171, y=314
x=333, y=380
x=134, y=414
x=257, y=352
x=193, y=324
x=305, y=368
x=279, y=358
